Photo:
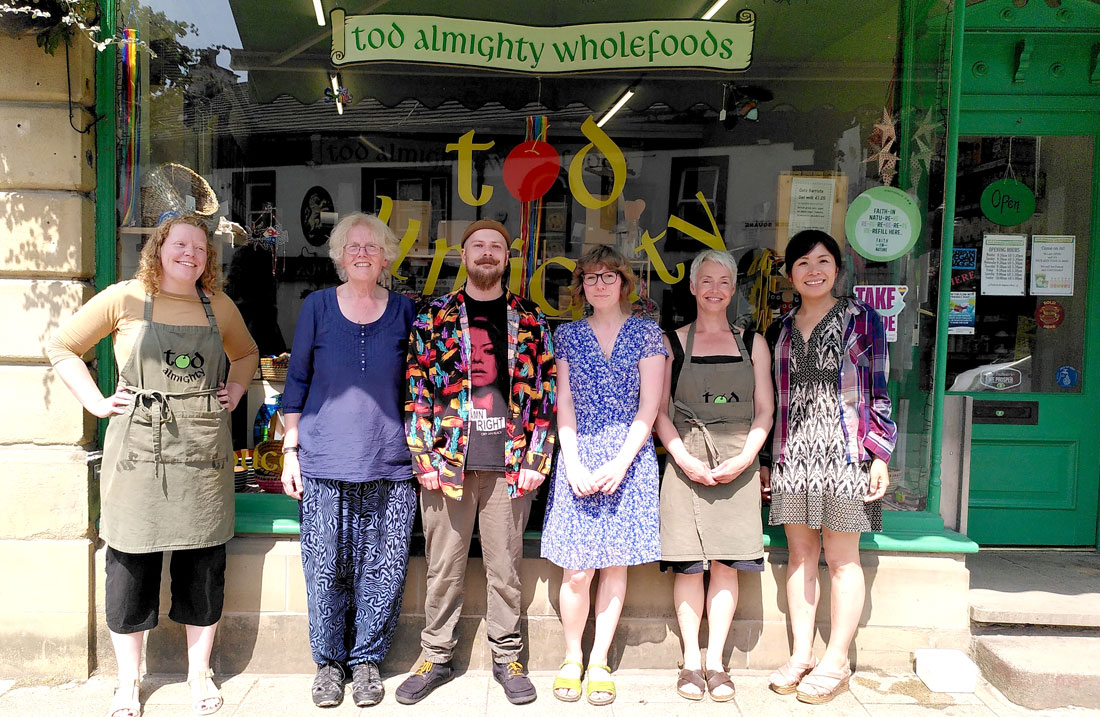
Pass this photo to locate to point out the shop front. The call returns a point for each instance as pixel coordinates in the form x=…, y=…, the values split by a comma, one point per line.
x=662, y=131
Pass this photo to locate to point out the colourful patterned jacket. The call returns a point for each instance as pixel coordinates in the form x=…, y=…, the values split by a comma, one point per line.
x=438, y=399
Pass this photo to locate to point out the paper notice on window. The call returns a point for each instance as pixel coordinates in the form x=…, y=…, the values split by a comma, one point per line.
x=961, y=313
x=811, y=204
x=1052, y=265
x=1004, y=264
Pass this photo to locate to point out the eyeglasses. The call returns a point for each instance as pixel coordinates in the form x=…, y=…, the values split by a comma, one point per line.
x=607, y=277
x=368, y=249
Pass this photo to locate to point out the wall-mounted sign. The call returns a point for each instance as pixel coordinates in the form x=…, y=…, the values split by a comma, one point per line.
x=887, y=301
x=1008, y=202
x=883, y=223
x=961, y=313
x=1052, y=265
x=1066, y=376
x=644, y=45
x=1049, y=314
x=1002, y=379
x=1004, y=264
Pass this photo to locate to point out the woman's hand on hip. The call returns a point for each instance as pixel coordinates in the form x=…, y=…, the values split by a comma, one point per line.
x=880, y=481
x=115, y=404
x=292, y=476
x=695, y=469
x=230, y=395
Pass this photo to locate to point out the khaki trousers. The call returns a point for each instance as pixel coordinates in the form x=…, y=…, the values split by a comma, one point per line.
x=448, y=526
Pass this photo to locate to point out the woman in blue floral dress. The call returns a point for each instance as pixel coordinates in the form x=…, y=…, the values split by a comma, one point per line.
x=604, y=506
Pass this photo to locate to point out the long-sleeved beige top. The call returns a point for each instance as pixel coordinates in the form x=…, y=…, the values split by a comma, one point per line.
x=119, y=310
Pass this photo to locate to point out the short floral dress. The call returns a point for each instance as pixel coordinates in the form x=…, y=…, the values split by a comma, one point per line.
x=598, y=531
x=816, y=486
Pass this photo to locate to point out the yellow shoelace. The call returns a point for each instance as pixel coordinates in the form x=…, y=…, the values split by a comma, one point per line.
x=425, y=667
x=515, y=668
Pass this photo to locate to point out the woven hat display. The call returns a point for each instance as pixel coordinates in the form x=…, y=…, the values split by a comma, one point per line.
x=167, y=188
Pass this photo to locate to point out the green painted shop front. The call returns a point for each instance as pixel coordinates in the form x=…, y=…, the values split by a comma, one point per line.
x=1030, y=111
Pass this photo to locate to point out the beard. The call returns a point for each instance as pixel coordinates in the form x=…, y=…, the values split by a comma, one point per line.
x=485, y=277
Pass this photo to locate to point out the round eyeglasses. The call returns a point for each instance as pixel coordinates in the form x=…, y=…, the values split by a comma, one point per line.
x=368, y=249
x=607, y=277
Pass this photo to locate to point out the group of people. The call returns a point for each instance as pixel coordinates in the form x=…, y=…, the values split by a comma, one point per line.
x=474, y=398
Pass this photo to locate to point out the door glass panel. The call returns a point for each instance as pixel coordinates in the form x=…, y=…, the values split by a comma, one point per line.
x=1019, y=285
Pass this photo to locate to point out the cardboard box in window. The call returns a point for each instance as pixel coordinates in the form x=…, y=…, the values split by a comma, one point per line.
x=599, y=226
x=452, y=230
x=407, y=210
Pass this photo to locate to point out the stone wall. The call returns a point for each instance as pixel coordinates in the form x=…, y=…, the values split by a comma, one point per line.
x=47, y=247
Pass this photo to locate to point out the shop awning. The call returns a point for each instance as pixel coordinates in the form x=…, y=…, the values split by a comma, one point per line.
x=808, y=53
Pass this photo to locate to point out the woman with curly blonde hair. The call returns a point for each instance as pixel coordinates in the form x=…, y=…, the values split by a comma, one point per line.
x=185, y=360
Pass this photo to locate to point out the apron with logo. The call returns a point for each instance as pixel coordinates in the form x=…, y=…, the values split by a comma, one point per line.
x=167, y=473
x=701, y=522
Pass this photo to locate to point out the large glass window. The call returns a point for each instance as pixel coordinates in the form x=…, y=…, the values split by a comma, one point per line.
x=242, y=116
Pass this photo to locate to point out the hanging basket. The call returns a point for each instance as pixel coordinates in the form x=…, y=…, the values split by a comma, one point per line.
x=166, y=190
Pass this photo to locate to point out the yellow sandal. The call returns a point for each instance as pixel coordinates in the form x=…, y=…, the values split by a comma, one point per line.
x=595, y=686
x=568, y=683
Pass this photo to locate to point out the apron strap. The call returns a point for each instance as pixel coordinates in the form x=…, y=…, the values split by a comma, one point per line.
x=207, y=308
x=693, y=420
x=148, y=319
x=161, y=412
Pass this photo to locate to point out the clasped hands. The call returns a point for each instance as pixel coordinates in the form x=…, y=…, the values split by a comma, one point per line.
x=724, y=472
x=605, y=479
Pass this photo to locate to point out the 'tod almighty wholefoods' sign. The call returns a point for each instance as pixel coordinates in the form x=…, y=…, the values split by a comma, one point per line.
x=649, y=44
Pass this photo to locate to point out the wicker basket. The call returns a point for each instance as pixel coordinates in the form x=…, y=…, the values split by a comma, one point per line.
x=273, y=368
x=166, y=189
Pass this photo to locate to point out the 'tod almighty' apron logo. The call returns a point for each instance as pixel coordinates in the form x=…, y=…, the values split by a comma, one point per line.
x=184, y=367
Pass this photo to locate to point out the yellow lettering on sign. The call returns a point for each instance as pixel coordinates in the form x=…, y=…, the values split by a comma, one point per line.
x=648, y=244
x=713, y=239
x=407, y=240
x=441, y=252
x=465, y=147
x=538, y=294
x=597, y=138
x=515, y=266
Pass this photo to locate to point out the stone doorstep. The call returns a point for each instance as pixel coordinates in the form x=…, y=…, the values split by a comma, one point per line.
x=1042, y=671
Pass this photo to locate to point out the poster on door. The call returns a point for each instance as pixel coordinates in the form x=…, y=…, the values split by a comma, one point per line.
x=887, y=301
x=1052, y=265
x=811, y=204
x=1004, y=264
x=961, y=313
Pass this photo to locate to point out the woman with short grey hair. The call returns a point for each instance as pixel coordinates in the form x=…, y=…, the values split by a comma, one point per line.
x=346, y=460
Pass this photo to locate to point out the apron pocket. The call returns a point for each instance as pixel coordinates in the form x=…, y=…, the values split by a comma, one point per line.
x=194, y=438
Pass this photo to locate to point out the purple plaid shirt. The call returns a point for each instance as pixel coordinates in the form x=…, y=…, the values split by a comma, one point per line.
x=864, y=402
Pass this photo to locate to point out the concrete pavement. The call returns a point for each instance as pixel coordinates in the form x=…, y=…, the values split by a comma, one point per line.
x=641, y=692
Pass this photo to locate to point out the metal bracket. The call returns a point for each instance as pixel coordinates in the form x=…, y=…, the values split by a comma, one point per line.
x=1023, y=59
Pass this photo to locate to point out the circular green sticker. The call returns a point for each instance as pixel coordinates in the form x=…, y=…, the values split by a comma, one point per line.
x=1008, y=202
x=883, y=223
x=183, y=361
x=720, y=399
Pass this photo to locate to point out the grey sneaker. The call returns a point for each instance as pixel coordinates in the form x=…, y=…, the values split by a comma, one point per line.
x=366, y=685
x=328, y=685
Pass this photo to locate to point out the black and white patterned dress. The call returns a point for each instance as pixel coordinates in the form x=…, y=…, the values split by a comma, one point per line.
x=816, y=486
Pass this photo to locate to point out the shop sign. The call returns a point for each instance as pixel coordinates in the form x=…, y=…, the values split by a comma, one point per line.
x=1050, y=314
x=1066, y=376
x=1008, y=202
x=649, y=44
x=883, y=223
x=887, y=301
x=1002, y=379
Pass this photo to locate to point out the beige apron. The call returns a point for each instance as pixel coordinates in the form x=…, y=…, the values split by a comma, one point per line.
x=701, y=522
x=167, y=477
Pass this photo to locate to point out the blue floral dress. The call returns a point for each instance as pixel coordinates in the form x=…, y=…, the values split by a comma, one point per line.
x=598, y=531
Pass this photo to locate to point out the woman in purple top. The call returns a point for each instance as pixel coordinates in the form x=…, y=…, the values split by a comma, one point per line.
x=346, y=460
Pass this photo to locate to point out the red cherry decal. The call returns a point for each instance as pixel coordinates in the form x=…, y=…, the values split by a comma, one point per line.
x=530, y=170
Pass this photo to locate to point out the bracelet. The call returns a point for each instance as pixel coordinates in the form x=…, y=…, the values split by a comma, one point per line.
x=289, y=449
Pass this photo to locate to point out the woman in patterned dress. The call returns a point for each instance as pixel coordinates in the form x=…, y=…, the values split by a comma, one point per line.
x=603, y=509
x=347, y=461
x=832, y=441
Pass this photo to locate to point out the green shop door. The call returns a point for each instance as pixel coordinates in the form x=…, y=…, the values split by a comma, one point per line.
x=1024, y=324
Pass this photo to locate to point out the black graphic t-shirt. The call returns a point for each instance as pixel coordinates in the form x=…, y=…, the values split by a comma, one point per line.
x=489, y=383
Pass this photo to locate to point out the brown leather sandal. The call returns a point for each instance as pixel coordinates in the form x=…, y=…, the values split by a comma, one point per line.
x=784, y=681
x=719, y=678
x=696, y=679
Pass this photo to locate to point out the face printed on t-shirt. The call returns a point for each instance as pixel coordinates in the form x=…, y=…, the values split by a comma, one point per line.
x=483, y=358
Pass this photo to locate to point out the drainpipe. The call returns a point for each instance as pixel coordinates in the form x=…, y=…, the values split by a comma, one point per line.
x=106, y=243
x=947, y=244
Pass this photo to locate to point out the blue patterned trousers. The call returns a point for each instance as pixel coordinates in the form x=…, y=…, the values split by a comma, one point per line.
x=355, y=552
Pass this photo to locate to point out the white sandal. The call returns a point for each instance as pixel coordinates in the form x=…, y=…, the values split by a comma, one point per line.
x=126, y=702
x=204, y=692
